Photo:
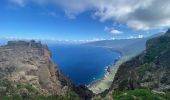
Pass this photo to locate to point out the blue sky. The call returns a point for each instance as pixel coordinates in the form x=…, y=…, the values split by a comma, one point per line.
x=86, y=20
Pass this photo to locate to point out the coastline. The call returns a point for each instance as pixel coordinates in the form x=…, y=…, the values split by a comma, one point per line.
x=101, y=85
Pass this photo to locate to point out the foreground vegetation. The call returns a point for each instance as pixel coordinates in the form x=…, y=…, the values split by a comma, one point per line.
x=140, y=94
x=69, y=96
x=20, y=91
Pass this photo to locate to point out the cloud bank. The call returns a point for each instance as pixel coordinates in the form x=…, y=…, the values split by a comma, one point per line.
x=136, y=14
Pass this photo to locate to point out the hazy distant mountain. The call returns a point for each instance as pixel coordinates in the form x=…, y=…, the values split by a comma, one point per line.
x=3, y=42
x=125, y=46
x=114, y=43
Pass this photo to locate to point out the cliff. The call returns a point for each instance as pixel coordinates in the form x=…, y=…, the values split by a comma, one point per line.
x=30, y=63
x=148, y=70
x=144, y=77
x=27, y=72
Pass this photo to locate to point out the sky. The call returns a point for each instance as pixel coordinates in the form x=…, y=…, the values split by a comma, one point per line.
x=83, y=20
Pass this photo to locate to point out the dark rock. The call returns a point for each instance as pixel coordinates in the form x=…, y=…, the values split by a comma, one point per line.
x=84, y=92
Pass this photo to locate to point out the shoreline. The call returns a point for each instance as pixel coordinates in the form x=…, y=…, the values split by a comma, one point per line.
x=101, y=85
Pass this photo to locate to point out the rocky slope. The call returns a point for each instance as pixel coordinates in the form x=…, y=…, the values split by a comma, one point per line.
x=28, y=73
x=146, y=76
x=30, y=62
x=151, y=69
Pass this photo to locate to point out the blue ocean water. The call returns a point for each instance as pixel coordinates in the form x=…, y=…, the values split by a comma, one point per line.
x=81, y=63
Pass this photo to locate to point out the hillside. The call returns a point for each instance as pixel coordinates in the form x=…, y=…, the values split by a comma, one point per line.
x=149, y=70
x=127, y=47
x=27, y=72
x=124, y=46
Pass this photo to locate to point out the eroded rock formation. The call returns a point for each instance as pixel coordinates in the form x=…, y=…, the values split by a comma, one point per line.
x=30, y=62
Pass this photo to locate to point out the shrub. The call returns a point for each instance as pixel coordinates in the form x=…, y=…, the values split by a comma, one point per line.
x=145, y=68
x=139, y=94
x=123, y=84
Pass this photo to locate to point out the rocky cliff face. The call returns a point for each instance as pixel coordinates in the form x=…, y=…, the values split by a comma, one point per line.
x=151, y=69
x=30, y=62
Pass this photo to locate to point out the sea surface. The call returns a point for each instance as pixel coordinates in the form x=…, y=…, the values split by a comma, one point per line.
x=81, y=63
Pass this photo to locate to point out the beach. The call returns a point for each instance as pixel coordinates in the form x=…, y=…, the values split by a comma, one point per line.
x=99, y=86
x=105, y=83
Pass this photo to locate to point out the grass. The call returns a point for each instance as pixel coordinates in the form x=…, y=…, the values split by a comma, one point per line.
x=145, y=68
x=29, y=87
x=156, y=48
x=11, y=91
x=139, y=94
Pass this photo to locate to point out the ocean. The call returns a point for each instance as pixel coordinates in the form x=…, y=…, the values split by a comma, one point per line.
x=81, y=63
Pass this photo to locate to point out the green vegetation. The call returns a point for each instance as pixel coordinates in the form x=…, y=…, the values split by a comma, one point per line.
x=6, y=87
x=145, y=68
x=139, y=94
x=166, y=78
x=156, y=47
x=149, y=79
x=19, y=91
x=29, y=87
x=68, y=96
x=168, y=33
x=123, y=84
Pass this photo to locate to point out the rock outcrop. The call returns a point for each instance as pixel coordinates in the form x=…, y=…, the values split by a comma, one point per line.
x=30, y=62
x=151, y=69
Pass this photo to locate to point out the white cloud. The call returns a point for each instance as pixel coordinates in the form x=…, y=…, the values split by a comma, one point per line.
x=140, y=36
x=112, y=30
x=135, y=37
x=98, y=39
x=136, y=14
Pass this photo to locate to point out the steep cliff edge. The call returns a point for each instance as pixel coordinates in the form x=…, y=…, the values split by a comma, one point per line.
x=151, y=69
x=146, y=76
x=28, y=73
x=30, y=62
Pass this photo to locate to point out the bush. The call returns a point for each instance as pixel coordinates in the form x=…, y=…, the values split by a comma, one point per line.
x=156, y=47
x=29, y=87
x=123, y=84
x=139, y=94
x=145, y=68
x=19, y=91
